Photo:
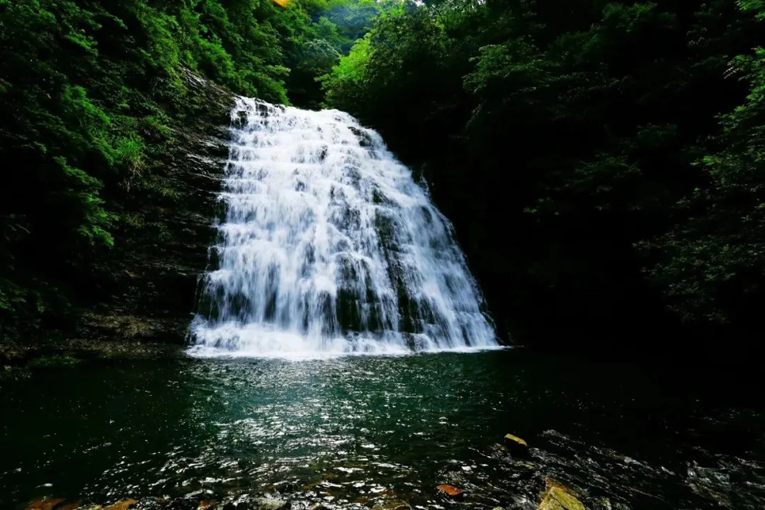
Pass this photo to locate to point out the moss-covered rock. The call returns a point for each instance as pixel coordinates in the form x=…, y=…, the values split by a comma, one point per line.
x=559, y=497
x=149, y=281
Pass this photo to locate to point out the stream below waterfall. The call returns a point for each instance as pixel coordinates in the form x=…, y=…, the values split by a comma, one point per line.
x=363, y=431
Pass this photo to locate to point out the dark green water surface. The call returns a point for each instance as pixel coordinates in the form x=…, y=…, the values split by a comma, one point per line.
x=363, y=431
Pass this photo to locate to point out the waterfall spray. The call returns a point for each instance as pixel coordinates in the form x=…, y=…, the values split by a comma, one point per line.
x=330, y=247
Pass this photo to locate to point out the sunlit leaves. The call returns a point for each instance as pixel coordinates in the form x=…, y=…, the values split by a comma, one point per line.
x=92, y=96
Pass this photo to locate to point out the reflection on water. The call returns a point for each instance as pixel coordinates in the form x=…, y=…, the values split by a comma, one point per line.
x=363, y=431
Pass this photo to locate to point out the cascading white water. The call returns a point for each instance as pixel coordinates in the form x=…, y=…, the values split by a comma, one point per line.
x=329, y=247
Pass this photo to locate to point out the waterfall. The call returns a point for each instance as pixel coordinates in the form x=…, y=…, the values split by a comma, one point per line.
x=329, y=247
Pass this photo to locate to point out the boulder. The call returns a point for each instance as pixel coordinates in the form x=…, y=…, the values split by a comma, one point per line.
x=516, y=446
x=559, y=497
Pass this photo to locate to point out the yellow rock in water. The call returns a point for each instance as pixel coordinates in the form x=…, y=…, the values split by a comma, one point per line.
x=122, y=505
x=516, y=446
x=516, y=439
x=559, y=497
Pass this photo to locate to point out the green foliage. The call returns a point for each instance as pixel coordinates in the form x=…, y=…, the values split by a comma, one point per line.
x=619, y=145
x=579, y=149
x=91, y=94
x=348, y=75
x=713, y=269
x=329, y=30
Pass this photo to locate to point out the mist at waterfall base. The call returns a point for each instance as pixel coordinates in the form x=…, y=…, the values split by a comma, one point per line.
x=330, y=247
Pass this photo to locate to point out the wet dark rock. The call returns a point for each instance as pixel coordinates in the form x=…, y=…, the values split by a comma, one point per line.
x=78, y=351
x=122, y=505
x=149, y=281
x=516, y=446
x=522, y=471
x=498, y=449
x=240, y=120
x=177, y=504
x=364, y=139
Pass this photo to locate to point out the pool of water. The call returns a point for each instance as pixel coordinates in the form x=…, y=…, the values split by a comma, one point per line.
x=365, y=431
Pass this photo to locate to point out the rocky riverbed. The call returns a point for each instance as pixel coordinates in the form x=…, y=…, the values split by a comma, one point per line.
x=523, y=475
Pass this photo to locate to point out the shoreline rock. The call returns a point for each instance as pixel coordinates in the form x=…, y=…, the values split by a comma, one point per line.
x=559, y=497
x=516, y=446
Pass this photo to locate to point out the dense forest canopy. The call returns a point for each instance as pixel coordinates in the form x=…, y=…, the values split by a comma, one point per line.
x=602, y=162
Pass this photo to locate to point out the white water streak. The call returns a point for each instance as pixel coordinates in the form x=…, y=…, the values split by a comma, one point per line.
x=330, y=247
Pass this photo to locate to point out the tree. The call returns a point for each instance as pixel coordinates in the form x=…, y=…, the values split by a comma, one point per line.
x=560, y=139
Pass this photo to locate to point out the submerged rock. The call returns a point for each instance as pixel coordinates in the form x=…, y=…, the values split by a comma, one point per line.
x=122, y=505
x=516, y=446
x=45, y=503
x=559, y=497
x=520, y=470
